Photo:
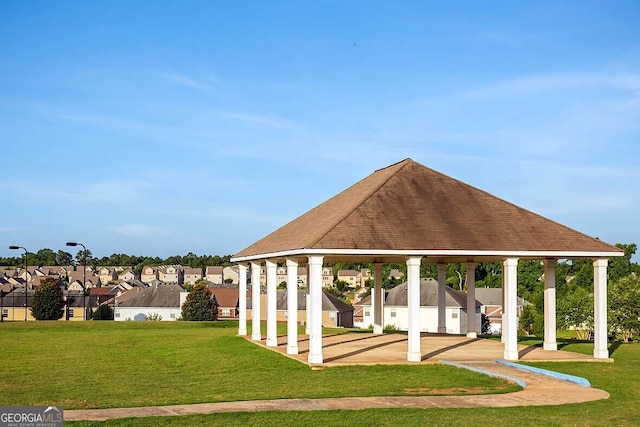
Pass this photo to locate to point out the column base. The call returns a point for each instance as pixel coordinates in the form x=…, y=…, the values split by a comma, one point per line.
x=292, y=349
x=472, y=335
x=242, y=332
x=377, y=329
x=315, y=359
x=414, y=356
x=272, y=342
x=442, y=329
x=511, y=355
x=256, y=337
x=601, y=354
x=551, y=346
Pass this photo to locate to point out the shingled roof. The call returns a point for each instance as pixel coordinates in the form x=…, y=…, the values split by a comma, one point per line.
x=407, y=208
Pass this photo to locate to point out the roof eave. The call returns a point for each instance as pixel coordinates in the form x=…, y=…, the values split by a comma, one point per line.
x=374, y=253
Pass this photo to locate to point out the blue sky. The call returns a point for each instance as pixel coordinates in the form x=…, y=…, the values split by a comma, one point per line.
x=159, y=128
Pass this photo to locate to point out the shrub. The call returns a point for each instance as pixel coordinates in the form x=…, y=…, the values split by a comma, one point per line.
x=200, y=305
x=103, y=312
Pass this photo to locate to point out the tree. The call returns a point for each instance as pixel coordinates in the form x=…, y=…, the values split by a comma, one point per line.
x=45, y=257
x=620, y=267
x=103, y=312
x=199, y=305
x=575, y=311
x=624, y=306
x=341, y=285
x=48, y=302
x=529, y=318
x=63, y=258
x=80, y=257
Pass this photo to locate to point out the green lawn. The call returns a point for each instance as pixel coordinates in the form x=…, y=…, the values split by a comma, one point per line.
x=120, y=364
x=130, y=364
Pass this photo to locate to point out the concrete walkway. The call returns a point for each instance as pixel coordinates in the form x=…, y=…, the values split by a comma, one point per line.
x=540, y=390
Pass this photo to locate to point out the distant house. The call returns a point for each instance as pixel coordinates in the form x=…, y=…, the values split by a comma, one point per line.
x=76, y=304
x=192, y=275
x=148, y=274
x=107, y=274
x=92, y=280
x=103, y=294
x=171, y=274
x=491, y=306
x=13, y=305
x=126, y=276
x=396, y=312
x=228, y=302
x=327, y=277
x=214, y=274
x=349, y=276
x=396, y=274
x=55, y=270
x=335, y=313
x=231, y=274
x=161, y=300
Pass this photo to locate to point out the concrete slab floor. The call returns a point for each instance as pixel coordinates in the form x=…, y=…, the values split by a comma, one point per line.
x=360, y=348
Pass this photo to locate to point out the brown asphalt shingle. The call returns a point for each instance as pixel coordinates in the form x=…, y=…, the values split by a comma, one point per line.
x=407, y=206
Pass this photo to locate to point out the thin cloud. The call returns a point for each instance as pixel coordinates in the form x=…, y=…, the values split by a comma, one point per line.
x=257, y=119
x=137, y=230
x=183, y=80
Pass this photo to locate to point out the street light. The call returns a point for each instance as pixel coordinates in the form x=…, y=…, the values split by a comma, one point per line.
x=84, y=278
x=26, y=282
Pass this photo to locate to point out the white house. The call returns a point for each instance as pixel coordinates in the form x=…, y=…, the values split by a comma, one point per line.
x=396, y=313
x=164, y=301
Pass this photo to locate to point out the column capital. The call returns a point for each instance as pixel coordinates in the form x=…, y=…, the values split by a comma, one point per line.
x=268, y=263
x=315, y=259
x=414, y=260
x=510, y=261
x=291, y=263
x=601, y=262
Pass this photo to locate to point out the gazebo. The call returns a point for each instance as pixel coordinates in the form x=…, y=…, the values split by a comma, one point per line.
x=408, y=213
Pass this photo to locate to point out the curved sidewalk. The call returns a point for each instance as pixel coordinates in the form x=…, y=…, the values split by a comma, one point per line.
x=540, y=390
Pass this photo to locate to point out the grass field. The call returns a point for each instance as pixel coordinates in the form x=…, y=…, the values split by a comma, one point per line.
x=151, y=363
x=120, y=364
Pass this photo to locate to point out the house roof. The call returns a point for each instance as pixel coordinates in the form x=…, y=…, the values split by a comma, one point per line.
x=329, y=302
x=226, y=297
x=154, y=296
x=409, y=208
x=397, y=296
x=493, y=296
x=214, y=269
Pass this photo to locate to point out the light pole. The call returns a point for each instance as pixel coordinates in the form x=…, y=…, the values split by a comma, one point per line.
x=84, y=278
x=26, y=281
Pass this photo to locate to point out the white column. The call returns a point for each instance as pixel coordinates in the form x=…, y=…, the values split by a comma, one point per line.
x=292, y=307
x=242, y=300
x=255, y=302
x=315, y=299
x=307, y=311
x=472, y=327
x=414, y=352
x=510, y=319
x=600, y=350
x=550, y=305
x=377, y=299
x=272, y=305
x=442, y=298
x=503, y=324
